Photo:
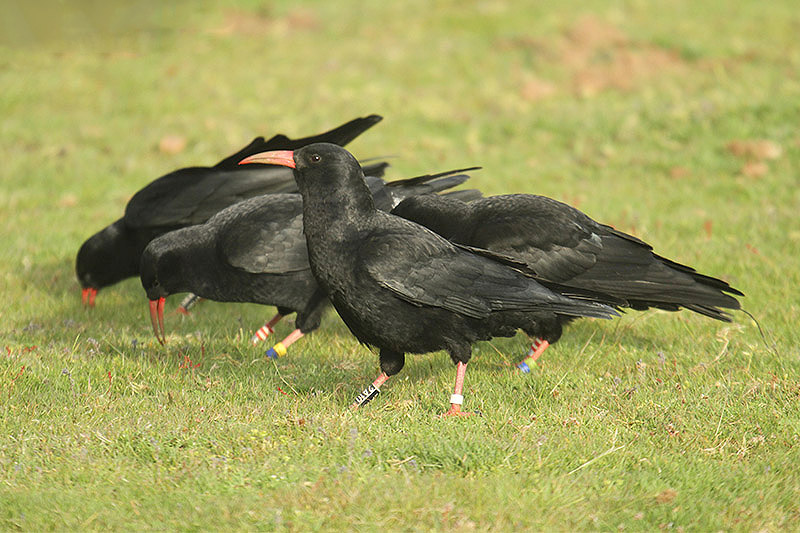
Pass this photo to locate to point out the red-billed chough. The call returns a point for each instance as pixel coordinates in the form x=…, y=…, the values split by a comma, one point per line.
x=561, y=244
x=186, y=197
x=255, y=252
x=401, y=287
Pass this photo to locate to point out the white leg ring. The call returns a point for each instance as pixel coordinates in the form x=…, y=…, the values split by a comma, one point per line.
x=457, y=399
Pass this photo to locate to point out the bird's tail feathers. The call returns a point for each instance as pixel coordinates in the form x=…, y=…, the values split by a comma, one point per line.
x=464, y=195
x=375, y=169
x=428, y=184
x=580, y=293
x=427, y=178
x=583, y=308
x=340, y=135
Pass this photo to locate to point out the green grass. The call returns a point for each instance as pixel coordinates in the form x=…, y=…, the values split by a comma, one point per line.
x=625, y=109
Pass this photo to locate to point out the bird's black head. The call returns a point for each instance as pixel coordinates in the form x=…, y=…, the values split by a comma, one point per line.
x=326, y=156
x=158, y=270
x=326, y=175
x=106, y=258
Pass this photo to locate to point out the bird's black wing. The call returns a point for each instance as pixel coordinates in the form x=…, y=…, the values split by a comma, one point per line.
x=627, y=267
x=556, y=241
x=256, y=145
x=192, y=195
x=263, y=235
x=561, y=244
x=424, y=269
x=340, y=135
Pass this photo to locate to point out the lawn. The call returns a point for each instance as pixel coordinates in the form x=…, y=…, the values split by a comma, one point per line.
x=675, y=121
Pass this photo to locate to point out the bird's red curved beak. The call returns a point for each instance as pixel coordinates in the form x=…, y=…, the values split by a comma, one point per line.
x=157, y=319
x=88, y=295
x=284, y=158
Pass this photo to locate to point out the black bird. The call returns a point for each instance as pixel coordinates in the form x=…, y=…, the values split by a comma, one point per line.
x=254, y=251
x=401, y=287
x=561, y=244
x=186, y=197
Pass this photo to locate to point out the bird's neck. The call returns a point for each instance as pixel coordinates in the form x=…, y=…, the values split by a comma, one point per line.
x=332, y=223
x=339, y=207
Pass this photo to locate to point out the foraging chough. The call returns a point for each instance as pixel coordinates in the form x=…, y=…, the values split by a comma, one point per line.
x=254, y=251
x=186, y=197
x=401, y=287
x=559, y=243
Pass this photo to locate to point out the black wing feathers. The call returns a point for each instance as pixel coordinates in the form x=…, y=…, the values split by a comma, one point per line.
x=263, y=235
x=424, y=269
x=341, y=136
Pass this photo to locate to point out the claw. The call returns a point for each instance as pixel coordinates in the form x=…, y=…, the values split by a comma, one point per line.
x=88, y=295
x=157, y=319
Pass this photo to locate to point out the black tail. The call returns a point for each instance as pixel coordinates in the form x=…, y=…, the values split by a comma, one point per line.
x=341, y=136
x=464, y=195
x=577, y=293
x=399, y=190
x=375, y=169
x=628, y=268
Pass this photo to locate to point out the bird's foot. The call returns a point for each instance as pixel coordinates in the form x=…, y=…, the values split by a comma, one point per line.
x=455, y=410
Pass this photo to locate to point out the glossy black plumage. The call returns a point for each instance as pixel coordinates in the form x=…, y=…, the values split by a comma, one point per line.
x=255, y=251
x=401, y=287
x=561, y=244
x=191, y=196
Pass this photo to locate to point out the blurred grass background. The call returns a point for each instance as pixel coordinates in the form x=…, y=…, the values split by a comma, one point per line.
x=676, y=121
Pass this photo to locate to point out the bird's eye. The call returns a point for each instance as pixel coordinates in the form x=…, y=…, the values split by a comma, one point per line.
x=315, y=158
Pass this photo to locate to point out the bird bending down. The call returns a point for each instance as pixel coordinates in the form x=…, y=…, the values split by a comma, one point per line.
x=561, y=244
x=186, y=197
x=255, y=252
x=401, y=287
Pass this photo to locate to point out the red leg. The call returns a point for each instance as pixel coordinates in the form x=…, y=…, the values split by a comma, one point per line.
x=537, y=349
x=370, y=392
x=266, y=329
x=457, y=399
x=279, y=350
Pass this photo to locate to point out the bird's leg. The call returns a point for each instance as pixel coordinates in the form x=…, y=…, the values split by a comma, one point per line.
x=279, y=350
x=457, y=399
x=537, y=349
x=187, y=304
x=370, y=392
x=391, y=363
x=266, y=330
